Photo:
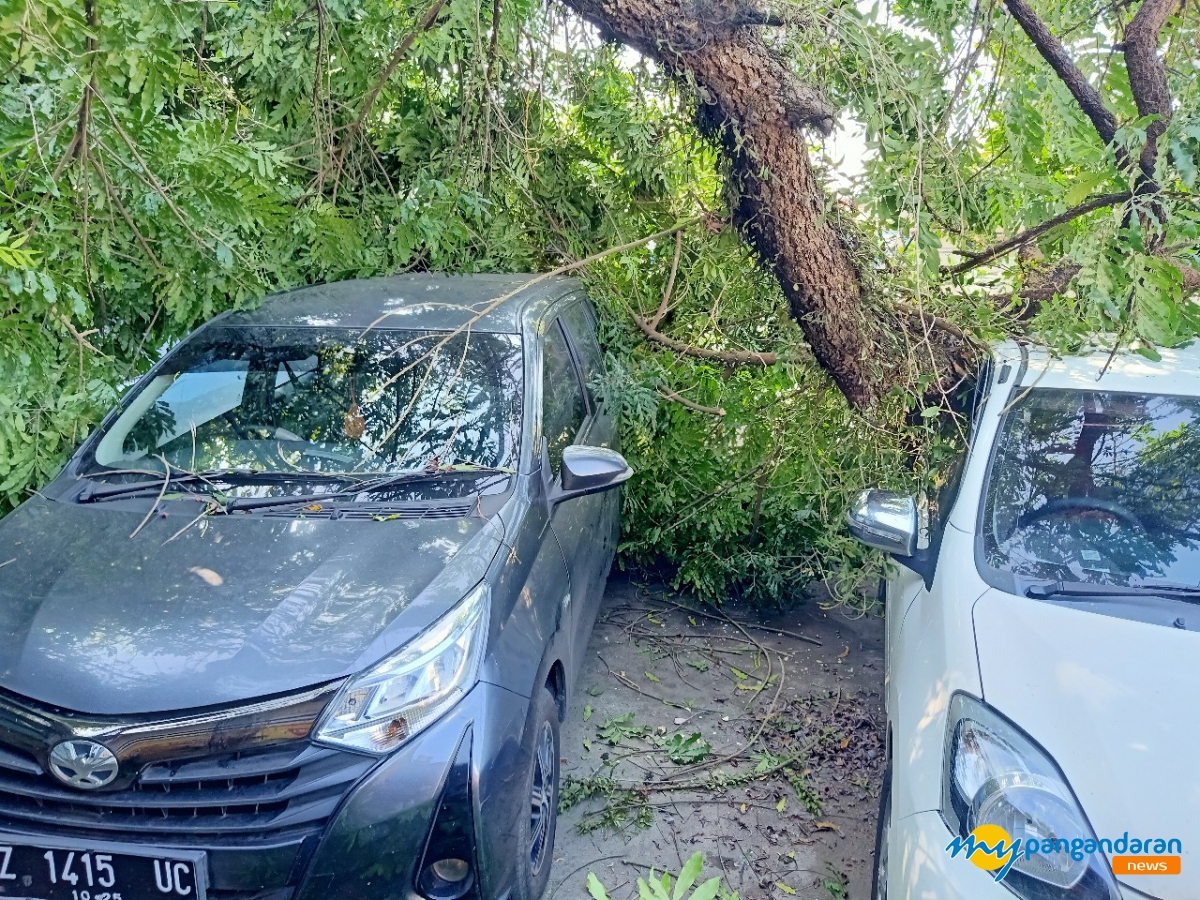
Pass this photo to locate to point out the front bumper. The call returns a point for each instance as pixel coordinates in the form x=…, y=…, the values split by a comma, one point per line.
x=374, y=843
x=919, y=868
x=376, y=820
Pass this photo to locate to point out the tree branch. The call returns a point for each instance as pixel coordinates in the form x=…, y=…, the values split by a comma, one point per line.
x=1042, y=284
x=974, y=260
x=427, y=22
x=690, y=404
x=1052, y=50
x=933, y=321
x=752, y=105
x=657, y=318
x=1191, y=277
x=731, y=357
x=1148, y=80
x=112, y=196
x=78, y=145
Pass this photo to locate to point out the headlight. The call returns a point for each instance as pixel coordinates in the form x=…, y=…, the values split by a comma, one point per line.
x=380, y=709
x=995, y=775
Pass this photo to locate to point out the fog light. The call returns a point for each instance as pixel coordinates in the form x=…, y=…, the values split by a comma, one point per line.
x=451, y=869
x=447, y=879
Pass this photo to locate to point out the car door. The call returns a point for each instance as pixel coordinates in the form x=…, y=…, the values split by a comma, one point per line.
x=906, y=587
x=579, y=319
x=577, y=523
x=580, y=322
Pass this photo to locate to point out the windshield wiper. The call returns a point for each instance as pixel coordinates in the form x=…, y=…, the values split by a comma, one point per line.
x=1081, y=590
x=93, y=494
x=365, y=486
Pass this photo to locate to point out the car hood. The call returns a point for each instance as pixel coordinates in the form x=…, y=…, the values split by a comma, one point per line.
x=232, y=608
x=1111, y=701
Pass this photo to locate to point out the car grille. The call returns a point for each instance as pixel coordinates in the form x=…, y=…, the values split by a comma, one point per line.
x=257, y=793
x=264, y=794
x=244, y=783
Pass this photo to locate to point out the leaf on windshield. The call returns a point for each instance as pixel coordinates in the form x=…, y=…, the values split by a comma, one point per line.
x=208, y=576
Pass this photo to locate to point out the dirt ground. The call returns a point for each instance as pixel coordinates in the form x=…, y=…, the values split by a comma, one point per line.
x=753, y=738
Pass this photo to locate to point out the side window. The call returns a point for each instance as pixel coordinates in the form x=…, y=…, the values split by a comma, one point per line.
x=580, y=321
x=946, y=490
x=563, y=406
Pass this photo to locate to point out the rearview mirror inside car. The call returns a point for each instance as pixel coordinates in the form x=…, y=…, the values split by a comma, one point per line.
x=886, y=520
x=589, y=470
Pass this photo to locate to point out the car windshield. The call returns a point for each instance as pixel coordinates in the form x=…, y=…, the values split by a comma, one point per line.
x=1097, y=487
x=324, y=400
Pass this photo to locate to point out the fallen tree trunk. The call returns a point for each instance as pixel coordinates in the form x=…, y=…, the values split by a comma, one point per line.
x=755, y=108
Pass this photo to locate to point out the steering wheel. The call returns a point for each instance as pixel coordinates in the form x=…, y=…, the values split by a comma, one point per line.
x=244, y=432
x=271, y=432
x=1068, y=505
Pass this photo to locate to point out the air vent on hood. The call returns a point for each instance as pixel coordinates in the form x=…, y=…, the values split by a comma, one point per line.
x=380, y=513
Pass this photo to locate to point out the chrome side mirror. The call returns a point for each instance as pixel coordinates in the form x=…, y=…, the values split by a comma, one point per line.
x=589, y=470
x=886, y=520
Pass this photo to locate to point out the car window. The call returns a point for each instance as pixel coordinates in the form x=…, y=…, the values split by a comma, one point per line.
x=325, y=400
x=563, y=406
x=295, y=374
x=1095, y=486
x=580, y=322
x=946, y=484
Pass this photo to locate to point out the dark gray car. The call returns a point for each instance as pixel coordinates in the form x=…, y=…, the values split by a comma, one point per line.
x=300, y=619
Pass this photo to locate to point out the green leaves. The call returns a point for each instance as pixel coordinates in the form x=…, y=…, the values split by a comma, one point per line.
x=686, y=749
x=620, y=729
x=595, y=888
x=222, y=163
x=659, y=887
x=13, y=252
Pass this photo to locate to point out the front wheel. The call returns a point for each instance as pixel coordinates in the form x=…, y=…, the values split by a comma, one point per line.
x=879, y=879
x=535, y=828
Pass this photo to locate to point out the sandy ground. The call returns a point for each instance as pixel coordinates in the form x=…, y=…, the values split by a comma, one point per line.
x=722, y=734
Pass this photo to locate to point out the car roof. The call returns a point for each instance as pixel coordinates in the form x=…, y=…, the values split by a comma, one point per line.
x=425, y=302
x=1177, y=371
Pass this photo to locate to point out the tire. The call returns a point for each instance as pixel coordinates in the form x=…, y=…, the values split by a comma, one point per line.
x=882, y=829
x=536, y=825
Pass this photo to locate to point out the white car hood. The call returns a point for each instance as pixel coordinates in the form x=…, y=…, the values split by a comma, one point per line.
x=1114, y=703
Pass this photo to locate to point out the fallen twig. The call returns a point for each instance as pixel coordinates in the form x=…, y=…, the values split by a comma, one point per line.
x=754, y=625
x=154, y=506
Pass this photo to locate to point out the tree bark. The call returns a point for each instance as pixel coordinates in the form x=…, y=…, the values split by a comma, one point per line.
x=1052, y=50
x=754, y=107
x=1148, y=81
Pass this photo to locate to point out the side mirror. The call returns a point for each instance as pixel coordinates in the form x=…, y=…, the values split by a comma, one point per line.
x=589, y=470
x=886, y=520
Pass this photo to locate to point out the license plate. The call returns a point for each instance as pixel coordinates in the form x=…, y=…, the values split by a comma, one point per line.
x=98, y=871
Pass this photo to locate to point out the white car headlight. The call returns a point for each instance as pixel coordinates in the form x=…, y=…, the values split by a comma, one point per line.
x=995, y=775
x=383, y=707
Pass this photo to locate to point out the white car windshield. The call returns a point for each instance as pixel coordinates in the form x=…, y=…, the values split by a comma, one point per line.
x=330, y=400
x=1099, y=487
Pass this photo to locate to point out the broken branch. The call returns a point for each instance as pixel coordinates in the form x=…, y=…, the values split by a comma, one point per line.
x=1052, y=50
x=732, y=357
x=974, y=260
x=666, y=297
x=691, y=404
x=427, y=22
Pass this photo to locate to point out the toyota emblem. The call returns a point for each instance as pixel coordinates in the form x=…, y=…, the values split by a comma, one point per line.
x=83, y=764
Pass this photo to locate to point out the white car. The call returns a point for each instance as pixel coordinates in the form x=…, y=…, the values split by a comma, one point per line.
x=1043, y=641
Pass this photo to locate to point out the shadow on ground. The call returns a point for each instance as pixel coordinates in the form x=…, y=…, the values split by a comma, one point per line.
x=755, y=739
